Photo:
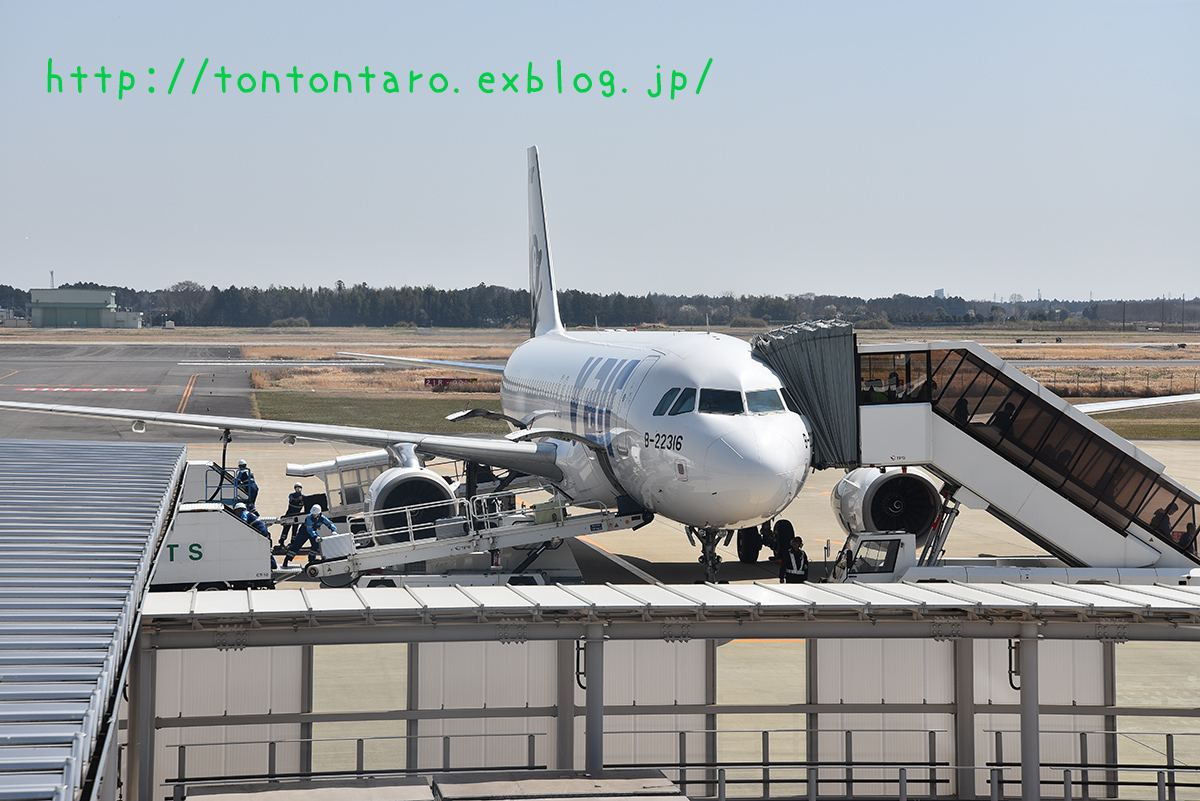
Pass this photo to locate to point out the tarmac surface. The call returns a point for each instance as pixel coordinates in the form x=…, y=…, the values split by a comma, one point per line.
x=166, y=378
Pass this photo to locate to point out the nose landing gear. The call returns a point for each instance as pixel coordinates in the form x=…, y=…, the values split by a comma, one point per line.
x=709, y=539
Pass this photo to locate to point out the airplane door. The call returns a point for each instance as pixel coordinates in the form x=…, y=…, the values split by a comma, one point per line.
x=629, y=391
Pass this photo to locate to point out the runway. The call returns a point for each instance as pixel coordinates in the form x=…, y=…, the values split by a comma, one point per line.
x=170, y=378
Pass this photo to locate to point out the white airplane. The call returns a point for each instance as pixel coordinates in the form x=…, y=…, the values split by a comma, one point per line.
x=689, y=426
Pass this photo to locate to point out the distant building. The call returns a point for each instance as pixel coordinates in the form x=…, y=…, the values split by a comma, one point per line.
x=940, y=294
x=79, y=308
x=9, y=319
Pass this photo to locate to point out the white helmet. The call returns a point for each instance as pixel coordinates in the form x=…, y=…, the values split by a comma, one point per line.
x=315, y=510
x=297, y=485
x=239, y=506
x=241, y=462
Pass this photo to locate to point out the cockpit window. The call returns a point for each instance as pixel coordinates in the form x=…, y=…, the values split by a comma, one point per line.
x=764, y=400
x=790, y=401
x=665, y=403
x=685, y=403
x=721, y=401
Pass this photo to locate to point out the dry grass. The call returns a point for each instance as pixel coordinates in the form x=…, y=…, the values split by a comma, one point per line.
x=316, y=353
x=1179, y=421
x=355, y=379
x=1080, y=381
x=424, y=413
x=1072, y=351
x=358, y=379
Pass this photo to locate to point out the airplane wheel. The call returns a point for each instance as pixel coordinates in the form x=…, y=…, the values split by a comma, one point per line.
x=783, y=537
x=749, y=543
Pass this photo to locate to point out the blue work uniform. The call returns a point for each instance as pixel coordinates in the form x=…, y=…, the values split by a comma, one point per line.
x=309, y=532
x=255, y=522
x=244, y=482
x=295, y=507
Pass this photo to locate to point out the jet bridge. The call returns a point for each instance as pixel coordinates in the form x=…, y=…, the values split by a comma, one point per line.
x=1005, y=443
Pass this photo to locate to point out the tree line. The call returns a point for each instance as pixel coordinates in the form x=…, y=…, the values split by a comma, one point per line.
x=484, y=306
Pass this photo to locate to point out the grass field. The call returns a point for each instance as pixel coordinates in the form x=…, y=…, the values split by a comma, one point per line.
x=1180, y=421
x=399, y=412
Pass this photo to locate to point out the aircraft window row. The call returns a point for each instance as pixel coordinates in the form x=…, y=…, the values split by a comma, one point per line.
x=764, y=400
x=719, y=401
x=1062, y=452
x=665, y=403
x=685, y=403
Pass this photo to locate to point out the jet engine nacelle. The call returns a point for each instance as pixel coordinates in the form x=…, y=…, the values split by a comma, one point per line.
x=395, y=491
x=871, y=499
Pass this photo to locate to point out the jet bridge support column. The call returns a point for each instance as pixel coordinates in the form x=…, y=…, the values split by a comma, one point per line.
x=1031, y=769
x=564, y=719
x=964, y=715
x=141, y=682
x=593, y=727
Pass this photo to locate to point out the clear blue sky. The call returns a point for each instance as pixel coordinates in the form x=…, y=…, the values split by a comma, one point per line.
x=836, y=147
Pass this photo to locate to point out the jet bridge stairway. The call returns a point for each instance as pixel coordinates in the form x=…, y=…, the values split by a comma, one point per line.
x=1012, y=447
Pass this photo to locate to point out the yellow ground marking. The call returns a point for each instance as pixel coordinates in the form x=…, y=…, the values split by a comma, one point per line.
x=187, y=394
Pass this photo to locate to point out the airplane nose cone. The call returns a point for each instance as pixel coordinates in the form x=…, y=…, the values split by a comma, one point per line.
x=753, y=474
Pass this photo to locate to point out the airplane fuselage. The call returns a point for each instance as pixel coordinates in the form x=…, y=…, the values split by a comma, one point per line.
x=694, y=428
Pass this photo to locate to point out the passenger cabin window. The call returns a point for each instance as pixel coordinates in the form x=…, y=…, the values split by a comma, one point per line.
x=764, y=400
x=721, y=401
x=665, y=403
x=685, y=403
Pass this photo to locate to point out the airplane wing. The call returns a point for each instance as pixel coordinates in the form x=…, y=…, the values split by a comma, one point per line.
x=534, y=458
x=466, y=367
x=1104, y=407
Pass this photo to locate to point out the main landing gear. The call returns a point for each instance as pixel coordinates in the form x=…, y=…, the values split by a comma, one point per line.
x=750, y=541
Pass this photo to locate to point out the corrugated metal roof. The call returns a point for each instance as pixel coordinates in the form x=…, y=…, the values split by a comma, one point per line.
x=79, y=522
x=447, y=605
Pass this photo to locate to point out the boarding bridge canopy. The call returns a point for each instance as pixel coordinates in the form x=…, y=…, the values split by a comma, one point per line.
x=80, y=523
x=1033, y=429
x=815, y=361
x=196, y=619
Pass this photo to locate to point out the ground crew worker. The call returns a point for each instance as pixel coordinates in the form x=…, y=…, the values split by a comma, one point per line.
x=252, y=519
x=794, y=568
x=295, y=509
x=309, y=532
x=244, y=481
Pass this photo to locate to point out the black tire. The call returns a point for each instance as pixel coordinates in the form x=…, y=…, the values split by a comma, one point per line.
x=749, y=543
x=783, y=537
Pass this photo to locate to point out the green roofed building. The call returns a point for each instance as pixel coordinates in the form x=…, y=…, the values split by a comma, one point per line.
x=79, y=308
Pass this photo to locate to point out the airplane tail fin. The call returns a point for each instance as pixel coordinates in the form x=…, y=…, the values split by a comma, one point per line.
x=543, y=295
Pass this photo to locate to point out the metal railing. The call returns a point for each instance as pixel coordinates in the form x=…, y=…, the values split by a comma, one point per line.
x=179, y=783
x=422, y=521
x=765, y=775
x=1090, y=778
